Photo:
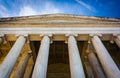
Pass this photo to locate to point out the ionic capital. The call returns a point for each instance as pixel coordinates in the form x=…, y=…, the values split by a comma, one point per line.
x=97, y=34
x=24, y=35
x=75, y=35
x=67, y=35
x=49, y=35
x=3, y=38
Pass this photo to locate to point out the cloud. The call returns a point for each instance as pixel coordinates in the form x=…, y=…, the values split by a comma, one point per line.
x=3, y=11
x=3, y=8
x=27, y=10
x=49, y=8
x=86, y=5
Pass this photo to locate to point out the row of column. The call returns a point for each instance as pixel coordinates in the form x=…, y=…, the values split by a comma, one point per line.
x=7, y=66
x=76, y=68
x=109, y=66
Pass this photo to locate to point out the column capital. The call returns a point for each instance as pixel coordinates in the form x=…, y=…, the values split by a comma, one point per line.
x=3, y=38
x=97, y=34
x=92, y=35
x=24, y=35
x=67, y=36
x=75, y=35
x=49, y=35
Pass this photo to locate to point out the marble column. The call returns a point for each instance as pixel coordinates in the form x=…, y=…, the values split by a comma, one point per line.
x=94, y=62
x=117, y=40
x=29, y=68
x=109, y=66
x=76, y=67
x=20, y=70
x=40, y=68
x=11, y=58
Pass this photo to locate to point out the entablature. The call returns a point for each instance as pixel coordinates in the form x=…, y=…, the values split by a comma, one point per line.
x=59, y=33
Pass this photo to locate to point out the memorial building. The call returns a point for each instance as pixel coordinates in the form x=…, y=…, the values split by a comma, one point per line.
x=59, y=46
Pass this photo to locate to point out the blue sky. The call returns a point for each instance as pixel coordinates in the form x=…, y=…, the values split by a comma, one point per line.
x=107, y=8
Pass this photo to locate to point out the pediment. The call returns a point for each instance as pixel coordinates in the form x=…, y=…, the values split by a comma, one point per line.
x=58, y=20
x=59, y=17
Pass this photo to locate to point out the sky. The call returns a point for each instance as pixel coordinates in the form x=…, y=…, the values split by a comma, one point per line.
x=102, y=8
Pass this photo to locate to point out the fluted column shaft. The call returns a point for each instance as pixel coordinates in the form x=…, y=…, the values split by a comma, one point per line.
x=95, y=65
x=40, y=68
x=76, y=67
x=20, y=70
x=106, y=60
x=11, y=58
